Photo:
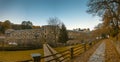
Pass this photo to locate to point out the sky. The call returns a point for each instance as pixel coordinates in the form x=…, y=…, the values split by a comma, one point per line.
x=71, y=12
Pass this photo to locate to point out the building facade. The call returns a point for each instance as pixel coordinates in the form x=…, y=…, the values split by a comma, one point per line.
x=45, y=34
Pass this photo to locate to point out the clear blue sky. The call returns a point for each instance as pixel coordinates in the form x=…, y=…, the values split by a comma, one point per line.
x=71, y=12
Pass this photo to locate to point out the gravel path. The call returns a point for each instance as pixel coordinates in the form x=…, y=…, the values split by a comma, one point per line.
x=99, y=54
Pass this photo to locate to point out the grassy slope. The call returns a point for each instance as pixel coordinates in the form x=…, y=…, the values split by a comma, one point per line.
x=23, y=55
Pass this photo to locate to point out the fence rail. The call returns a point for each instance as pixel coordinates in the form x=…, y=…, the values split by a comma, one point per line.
x=66, y=55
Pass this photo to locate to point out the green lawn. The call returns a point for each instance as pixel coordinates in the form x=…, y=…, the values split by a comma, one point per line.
x=10, y=56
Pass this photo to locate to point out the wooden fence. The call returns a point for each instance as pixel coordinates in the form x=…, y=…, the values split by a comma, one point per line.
x=66, y=55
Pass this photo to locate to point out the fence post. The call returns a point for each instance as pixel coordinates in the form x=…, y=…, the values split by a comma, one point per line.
x=84, y=44
x=71, y=53
x=36, y=57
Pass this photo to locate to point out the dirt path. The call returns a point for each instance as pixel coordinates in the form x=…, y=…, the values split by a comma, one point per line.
x=111, y=54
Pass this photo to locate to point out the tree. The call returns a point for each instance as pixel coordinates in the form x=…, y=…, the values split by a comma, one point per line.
x=103, y=8
x=1, y=28
x=5, y=25
x=109, y=10
x=26, y=25
x=54, y=22
x=63, y=36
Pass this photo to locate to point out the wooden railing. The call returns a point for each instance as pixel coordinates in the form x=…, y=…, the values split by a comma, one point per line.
x=66, y=55
x=62, y=54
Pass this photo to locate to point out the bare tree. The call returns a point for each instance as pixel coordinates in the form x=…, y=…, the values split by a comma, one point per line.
x=54, y=22
x=109, y=10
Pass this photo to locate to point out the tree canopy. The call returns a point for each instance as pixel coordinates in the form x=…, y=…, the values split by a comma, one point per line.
x=26, y=25
x=108, y=10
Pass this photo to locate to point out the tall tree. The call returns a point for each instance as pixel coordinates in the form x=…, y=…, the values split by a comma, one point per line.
x=26, y=25
x=109, y=10
x=54, y=22
x=63, y=37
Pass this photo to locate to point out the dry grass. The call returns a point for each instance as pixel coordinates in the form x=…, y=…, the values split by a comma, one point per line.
x=111, y=54
x=11, y=56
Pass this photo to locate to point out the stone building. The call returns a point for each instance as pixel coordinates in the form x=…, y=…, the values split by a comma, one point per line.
x=25, y=37
x=76, y=37
x=2, y=38
x=74, y=34
x=51, y=33
x=47, y=33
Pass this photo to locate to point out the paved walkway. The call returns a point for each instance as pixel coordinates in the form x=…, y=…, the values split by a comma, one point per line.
x=48, y=50
x=99, y=54
x=86, y=55
x=104, y=51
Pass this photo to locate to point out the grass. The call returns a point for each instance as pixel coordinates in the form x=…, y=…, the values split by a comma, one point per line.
x=11, y=56
x=18, y=55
